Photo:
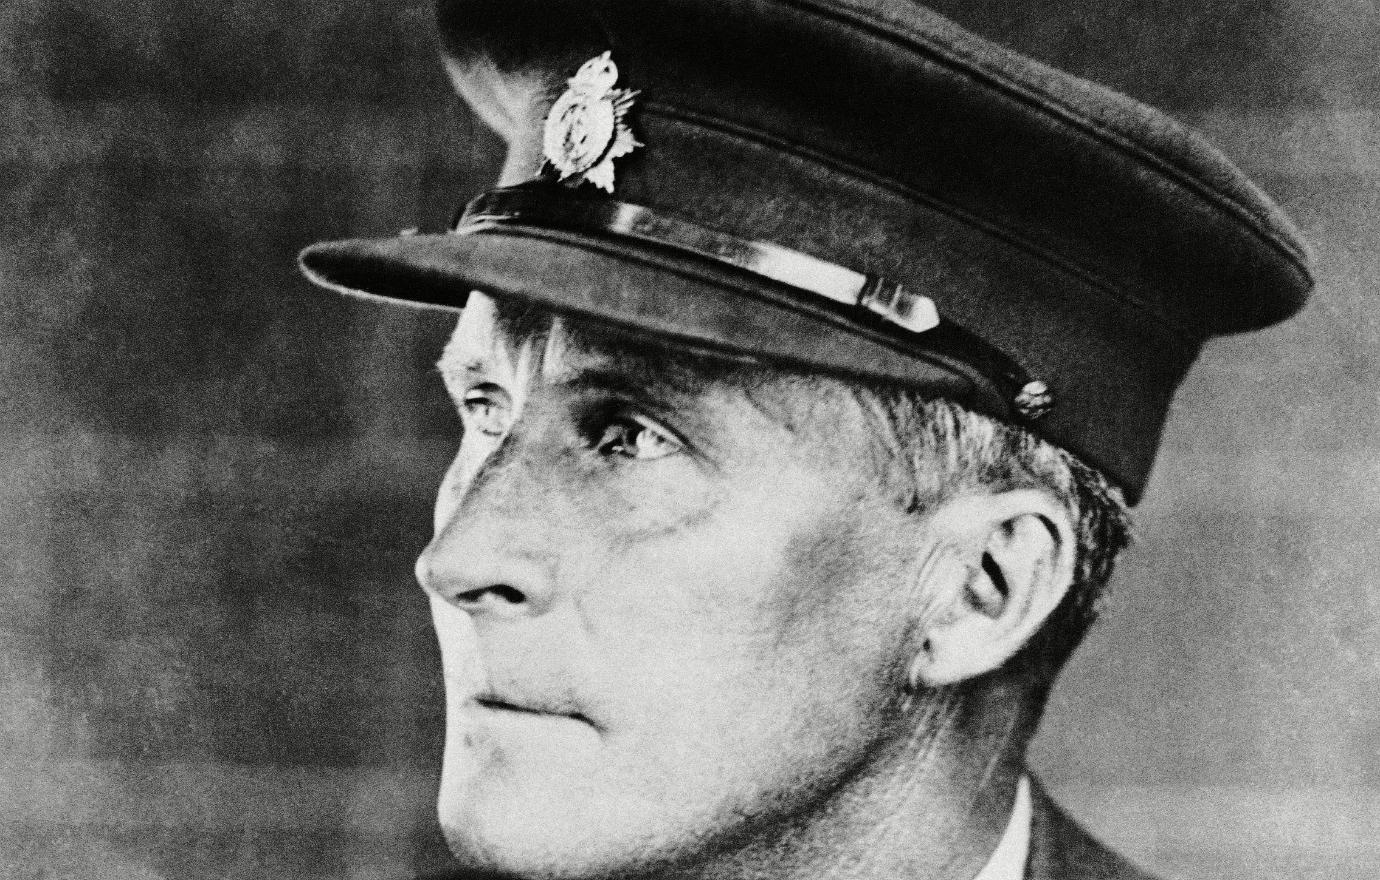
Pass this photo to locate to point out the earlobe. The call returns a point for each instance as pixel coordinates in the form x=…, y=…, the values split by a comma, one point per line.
x=1013, y=560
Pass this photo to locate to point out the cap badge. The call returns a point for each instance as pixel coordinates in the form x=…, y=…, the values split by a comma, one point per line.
x=1034, y=400
x=586, y=128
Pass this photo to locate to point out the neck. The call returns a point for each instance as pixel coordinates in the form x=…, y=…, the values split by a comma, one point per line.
x=931, y=805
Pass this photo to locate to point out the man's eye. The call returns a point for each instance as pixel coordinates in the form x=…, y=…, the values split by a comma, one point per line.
x=485, y=409
x=634, y=438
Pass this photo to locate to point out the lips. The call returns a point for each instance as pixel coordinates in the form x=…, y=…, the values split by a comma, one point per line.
x=529, y=704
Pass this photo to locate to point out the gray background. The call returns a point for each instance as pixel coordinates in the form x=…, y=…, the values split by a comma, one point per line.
x=213, y=480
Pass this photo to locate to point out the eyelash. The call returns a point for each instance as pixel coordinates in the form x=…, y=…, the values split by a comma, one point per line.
x=490, y=401
x=607, y=426
x=606, y=430
x=614, y=438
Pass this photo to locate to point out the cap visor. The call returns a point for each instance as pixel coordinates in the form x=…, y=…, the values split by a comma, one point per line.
x=681, y=299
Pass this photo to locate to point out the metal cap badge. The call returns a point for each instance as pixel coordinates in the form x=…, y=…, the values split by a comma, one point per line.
x=586, y=128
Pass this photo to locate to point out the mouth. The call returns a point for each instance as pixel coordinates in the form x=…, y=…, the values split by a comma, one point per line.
x=531, y=707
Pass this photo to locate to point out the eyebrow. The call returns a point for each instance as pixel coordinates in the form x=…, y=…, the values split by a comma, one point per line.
x=641, y=377
x=634, y=379
x=450, y=365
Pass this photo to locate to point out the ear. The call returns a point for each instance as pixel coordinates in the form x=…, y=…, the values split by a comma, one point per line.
x=1005, y=562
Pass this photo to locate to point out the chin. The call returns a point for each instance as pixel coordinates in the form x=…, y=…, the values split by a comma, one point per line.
x=522, y=796
x=542, y=846
x=561, y=828
x=557, y=803
x=546, y=825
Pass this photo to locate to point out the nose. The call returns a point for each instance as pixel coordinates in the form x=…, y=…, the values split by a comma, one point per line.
x=477, y=571
x=492, y=555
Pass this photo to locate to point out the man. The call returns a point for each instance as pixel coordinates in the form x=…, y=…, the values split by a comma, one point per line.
x=810, y=351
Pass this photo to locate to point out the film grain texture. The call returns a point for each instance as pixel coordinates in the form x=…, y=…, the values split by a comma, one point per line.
x=214, y=479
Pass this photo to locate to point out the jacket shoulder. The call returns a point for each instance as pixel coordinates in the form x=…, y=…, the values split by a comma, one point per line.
x=1061, y=849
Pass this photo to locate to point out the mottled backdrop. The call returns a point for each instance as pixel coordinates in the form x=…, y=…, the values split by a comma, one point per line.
x=213, y=480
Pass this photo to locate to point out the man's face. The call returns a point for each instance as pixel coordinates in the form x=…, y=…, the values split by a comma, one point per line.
x=664, y=610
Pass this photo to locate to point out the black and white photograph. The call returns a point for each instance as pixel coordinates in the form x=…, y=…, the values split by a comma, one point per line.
x=690, y=440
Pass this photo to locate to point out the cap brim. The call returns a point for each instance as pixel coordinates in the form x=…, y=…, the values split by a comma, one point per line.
x=649, y=292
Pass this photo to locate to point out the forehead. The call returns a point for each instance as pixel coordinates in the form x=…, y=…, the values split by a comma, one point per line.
x=508, y=342
x=481, y=341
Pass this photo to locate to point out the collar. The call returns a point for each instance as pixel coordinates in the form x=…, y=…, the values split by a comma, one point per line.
x=1008, y=859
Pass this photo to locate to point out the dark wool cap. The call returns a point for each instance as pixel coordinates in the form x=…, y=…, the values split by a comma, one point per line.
x=851, y=187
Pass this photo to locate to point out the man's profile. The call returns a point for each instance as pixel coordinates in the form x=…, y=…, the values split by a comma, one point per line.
x=809, y=354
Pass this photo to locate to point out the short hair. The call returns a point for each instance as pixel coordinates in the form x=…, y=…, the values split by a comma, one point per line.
x=927, y=450
x=938, y=449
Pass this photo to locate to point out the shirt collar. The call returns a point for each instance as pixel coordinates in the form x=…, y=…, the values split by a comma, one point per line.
x=1009, y=858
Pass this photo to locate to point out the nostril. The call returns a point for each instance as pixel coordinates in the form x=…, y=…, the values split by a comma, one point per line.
x=501, y=593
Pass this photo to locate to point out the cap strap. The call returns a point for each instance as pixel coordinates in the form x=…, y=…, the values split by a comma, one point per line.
x=895, y=304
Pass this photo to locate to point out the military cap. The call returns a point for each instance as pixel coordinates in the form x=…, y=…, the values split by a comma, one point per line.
x=853, y=187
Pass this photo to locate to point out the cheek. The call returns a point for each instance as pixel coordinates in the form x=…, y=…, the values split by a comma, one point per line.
x=632, y=507
x=745, y=647
x=836, y=629
x=848, y=603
